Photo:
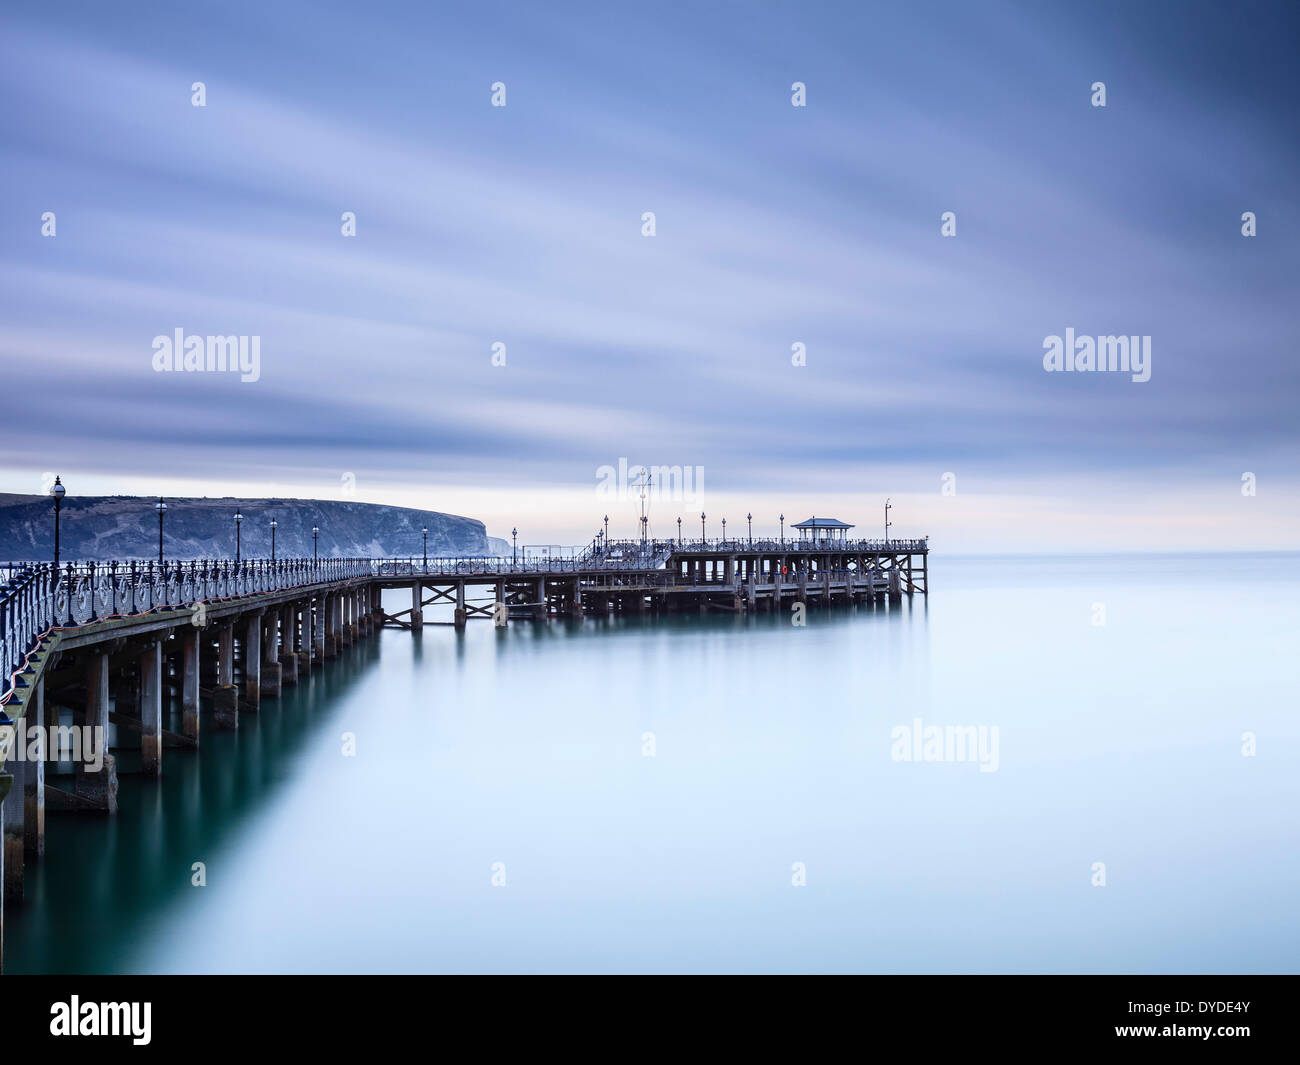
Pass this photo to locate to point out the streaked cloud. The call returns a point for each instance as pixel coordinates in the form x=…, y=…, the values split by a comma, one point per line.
x=775, y=225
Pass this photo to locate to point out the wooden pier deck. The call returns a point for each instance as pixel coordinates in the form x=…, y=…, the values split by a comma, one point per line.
x=660, y=577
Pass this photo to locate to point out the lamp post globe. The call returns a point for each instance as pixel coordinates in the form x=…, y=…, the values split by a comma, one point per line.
x=57, y=491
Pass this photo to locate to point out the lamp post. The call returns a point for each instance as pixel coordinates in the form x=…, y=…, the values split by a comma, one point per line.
x=161, y=507
x=606, y=530
x=749, y=521
x=782, y=530
x=679, y=532
x=724, y=529
x=424, y=531
x=701, y=527
x=514, y=547
x=239, y=520
x=274, y=523
x=644, y=523
x=57, y=492
x=888, y=508
x=315, y=532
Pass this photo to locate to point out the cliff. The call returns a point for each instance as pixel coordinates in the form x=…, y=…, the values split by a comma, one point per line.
x=103, y=528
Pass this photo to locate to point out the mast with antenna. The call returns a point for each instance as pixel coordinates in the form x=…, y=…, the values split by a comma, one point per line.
x=646, y=480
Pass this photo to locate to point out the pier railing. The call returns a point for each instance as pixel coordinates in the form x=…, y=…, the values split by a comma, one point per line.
x=741, y=545
x=467, y=567
x=38, y=597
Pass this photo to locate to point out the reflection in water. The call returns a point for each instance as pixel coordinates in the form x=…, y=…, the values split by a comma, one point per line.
x=527, y=747
x=103, y=880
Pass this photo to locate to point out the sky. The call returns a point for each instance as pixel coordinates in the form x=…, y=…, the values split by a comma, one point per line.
x=522, y=225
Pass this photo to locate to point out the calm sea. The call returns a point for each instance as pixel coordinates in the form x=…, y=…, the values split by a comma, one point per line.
x=775, y=826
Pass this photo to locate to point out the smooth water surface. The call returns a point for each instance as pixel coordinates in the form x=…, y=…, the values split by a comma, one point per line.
x=1119, y=743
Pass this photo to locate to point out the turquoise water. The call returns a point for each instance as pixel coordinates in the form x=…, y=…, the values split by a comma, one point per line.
x=1118, y=743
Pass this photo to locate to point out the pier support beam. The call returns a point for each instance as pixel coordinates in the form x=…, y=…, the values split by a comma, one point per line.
x=307, y=646
x=225, y=697
x=288, y=656
x=251, y=657
x=12, y=816
x=461, y=615
x=51, y=723
x=330, y=646
x=270, y=683
x=100, y=787
x=417, y=605
x=34, y=781
x=318, y=632
x=190, y=644
x=151, y=709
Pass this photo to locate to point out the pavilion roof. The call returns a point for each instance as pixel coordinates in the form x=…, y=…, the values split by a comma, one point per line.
x=822, y=523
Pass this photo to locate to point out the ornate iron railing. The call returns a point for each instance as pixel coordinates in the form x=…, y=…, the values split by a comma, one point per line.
x=38, y=597
x=505, y=566
x=468, y=567
x=742, y=544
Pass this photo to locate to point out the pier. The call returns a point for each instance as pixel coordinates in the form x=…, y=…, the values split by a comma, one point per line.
x=143, y=646
x=660, y=577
